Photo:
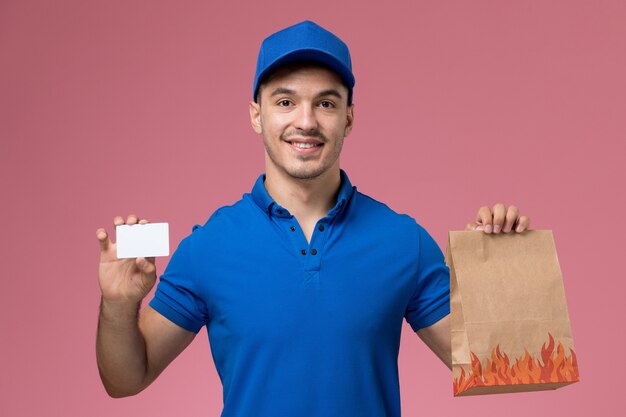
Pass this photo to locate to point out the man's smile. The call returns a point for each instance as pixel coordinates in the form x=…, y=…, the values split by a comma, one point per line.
x=305, y=146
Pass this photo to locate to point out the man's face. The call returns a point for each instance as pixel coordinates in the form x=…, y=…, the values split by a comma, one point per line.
x=303, y=116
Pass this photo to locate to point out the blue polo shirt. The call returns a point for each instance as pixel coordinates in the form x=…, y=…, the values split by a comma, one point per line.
x=301, y=329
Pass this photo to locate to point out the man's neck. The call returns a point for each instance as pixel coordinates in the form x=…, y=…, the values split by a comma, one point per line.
x=308, y=200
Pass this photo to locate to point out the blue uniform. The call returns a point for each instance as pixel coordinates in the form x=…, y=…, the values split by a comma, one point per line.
x=301, y=329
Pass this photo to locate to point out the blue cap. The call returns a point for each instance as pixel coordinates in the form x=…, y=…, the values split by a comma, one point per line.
x=305, y=41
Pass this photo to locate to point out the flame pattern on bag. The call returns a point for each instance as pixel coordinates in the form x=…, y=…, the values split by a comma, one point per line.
x=553, y=367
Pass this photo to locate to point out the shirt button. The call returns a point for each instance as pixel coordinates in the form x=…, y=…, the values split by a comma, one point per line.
x=303, y=251
x=321, y=228
x=313, y=251
x=292, y=228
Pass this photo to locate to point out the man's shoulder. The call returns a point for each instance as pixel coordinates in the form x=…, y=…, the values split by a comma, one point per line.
x=370, y=207
x=227, y=218
x=387, y=222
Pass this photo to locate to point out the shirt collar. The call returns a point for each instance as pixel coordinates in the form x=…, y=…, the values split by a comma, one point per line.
x=262, y=198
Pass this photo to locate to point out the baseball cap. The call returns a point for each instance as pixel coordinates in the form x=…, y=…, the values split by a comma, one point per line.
x=305, y=41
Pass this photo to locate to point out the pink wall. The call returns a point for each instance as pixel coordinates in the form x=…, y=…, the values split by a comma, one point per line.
x=141, y=106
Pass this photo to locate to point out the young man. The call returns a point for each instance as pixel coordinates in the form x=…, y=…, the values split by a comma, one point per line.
x=304, y=283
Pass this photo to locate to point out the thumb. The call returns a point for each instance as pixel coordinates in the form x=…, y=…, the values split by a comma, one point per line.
x=471, y=226
x=103, y=239
x=145, y=266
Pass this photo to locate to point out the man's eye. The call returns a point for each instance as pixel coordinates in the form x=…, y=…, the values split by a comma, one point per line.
x=327, y=104
x=284, y=103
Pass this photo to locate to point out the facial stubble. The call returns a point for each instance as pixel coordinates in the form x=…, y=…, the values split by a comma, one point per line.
x=305, y=173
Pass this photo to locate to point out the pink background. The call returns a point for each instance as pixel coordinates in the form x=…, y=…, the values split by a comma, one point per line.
x=116, y=107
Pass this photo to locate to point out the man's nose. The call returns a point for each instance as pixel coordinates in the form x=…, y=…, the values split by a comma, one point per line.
x=305, y=117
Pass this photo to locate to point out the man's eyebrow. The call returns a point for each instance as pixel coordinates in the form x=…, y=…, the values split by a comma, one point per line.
x=282, y=90
x=329, y=92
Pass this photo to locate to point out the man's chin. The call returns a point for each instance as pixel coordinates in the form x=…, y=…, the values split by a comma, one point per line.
x=306, y=174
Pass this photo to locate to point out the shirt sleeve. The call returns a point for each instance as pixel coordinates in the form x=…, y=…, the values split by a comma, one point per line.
x=176, y=296
x=431, y=300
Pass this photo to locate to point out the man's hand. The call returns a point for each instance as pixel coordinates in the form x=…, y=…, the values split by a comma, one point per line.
x=499, y=219
x=125, y=281
x=132, y=349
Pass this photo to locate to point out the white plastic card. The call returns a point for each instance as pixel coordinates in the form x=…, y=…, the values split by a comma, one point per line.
x=142, y=240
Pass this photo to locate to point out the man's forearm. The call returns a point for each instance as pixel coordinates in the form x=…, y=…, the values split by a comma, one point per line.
x=120, y=349
x=437, y=338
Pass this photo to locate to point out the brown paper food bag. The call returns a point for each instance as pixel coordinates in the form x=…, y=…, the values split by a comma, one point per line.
x=509, y=322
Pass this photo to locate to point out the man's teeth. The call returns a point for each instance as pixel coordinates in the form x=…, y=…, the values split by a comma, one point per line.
x=304, y=145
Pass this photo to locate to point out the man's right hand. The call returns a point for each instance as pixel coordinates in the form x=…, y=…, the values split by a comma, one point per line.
x=123, y=281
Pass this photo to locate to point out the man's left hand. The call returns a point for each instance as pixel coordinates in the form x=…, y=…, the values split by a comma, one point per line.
x=499, y=219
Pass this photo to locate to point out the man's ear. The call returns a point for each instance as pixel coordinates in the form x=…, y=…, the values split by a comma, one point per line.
x=255, y=117
x=349, y=120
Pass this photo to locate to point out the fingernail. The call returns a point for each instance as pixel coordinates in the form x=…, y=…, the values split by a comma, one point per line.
x=496, y=228
x=518, y=229
x=488, y=228
x=506, y=229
